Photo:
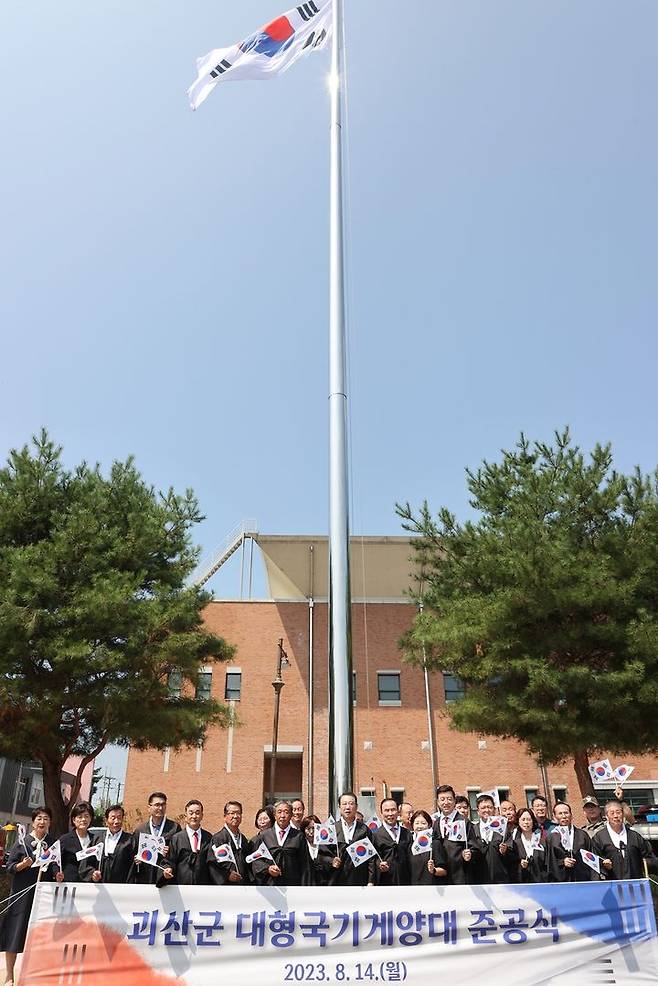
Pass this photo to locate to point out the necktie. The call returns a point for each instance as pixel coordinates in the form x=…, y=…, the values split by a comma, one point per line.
x=196, y=841
x=282, y=833
x=622, y=848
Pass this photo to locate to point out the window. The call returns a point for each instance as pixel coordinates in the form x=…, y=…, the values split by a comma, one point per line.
x=21, y=789
x=453, y=687
x=233, y=686
x=635, y=797
x=175, y=684
x=503, y=793
x=397, y=793
x=530, y=793
x=559, y=794
x=203, y=685
x=36, y=792
x=388, y=687
x=353, y=687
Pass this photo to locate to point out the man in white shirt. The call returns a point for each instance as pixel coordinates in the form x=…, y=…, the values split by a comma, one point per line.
x=117, y=857
x=298, y=812
x=188, y=849
x=624, y=851
x=348, y=830
x=230, y=835
x=565, y=843
x=392, y=843
x=286, y=845
x=159, y=825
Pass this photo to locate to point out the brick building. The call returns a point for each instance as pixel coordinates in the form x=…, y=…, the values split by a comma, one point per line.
x=395, y=751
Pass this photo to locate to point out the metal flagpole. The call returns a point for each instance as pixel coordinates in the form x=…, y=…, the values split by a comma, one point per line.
x=340, y=643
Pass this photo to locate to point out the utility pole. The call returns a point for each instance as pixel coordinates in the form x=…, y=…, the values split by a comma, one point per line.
x=277, y=685
x=16, y=789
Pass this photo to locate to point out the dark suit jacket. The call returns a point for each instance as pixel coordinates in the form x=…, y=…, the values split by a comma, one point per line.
x=319, y=870
x=350, y=875
x=142, y=872
x=71, y=867
x=537, y=871
x=557, y=855
x=190, y=868
x=628, y=865
x=115, y=867
x=459, y=871
x=396, y=854
x=219, y=872
x=493, y=867
x=290, y=858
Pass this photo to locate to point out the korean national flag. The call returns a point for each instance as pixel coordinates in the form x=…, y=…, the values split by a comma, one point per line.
x=623, y=772
x=601, y=771
x=361, y=851
x=325, y=834
x=591, y=860
x=422, y=842
x=374, y=823
x=262, y=852
x=148, y=848
x=48, y=855
x=224, y=853
x=90, y=851
x=457, y=830
x=497, y=825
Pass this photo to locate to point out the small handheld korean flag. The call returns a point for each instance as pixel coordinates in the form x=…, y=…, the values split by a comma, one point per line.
x=601, y=771
x=21, y=832
x=90, y=851
x=325, y=834
x=623, y=772
x=566, y=837
x=457, y=830
x=148, y=849
x=591, y=860
x=224, y=854
x=361, y=851
x=48, y=855
x=535, y=841
x=422, y=842
x=497, y=824
x=493, y=794
x=374, y=823
x=261, y=853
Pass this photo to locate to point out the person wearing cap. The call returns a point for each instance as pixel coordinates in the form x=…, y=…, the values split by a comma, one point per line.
x=594, y=816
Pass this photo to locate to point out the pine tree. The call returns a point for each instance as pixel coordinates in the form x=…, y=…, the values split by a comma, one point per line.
x=546, y=604
x=95, y=614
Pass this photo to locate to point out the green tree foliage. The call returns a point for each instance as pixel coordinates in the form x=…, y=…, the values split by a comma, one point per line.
x=95, y=614
x=546, y=604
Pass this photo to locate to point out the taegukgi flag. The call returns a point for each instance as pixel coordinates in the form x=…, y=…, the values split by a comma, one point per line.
x=361, y=851
x=623, y=772
x=268, y=52
x=47, y=855
x=148, y=849
x=591, y=859
x=262, y=852
x=601, y=771
x=224, y=854
x=374, y=823
x=422, y=842
x=496, y=824
x=457, y=830
x=325, y=834
x=90, y=851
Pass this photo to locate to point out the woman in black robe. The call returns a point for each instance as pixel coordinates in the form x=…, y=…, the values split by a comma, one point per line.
x=319, y=858
x=73, y=869
x=427, y=868
x=532, y=859
x=19, y=865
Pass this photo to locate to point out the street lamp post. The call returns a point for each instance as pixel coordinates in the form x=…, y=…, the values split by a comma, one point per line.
x=277, y=685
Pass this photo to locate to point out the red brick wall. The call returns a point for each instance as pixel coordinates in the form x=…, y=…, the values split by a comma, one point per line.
x=396, y=734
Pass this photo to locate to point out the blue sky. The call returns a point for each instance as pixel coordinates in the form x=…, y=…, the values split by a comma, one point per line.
x=164, y=273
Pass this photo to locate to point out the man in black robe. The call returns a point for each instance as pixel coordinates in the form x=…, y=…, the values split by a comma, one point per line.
x=286, y=846
x=392, y=843
x=462, y=857
x=624, y=851
x=564, y=844
x=348, y=830
x=187, y=862
x=498, y=856
x=157, y=825
x=221, y=872
x=118, y=853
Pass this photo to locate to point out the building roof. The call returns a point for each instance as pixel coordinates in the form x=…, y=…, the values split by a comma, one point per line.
x=297, y=566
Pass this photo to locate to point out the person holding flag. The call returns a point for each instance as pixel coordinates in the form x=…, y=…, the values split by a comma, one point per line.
x=287, y=851
x=392, y=843
x=564, y=845
x=24, y=875
x=462, y=857
x=187, y=863
x=531, y=854
x=348, y=831
x=73, y=868
x=318, y=857
x=159, y=826
x=428, y=865
x=497, y=862
x=117, y=856
x=227, y=870
x=624, y=851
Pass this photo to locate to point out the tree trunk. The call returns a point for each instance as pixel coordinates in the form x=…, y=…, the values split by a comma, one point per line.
x=52, y=790
x=583, y=776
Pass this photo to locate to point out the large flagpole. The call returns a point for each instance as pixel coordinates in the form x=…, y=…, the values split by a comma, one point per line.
x=340, y=639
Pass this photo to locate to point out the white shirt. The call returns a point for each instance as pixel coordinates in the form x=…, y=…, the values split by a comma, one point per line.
x=236, y=839
x=485, y=833
x=393, y=832
x=528, y=846
x=111, y=841
x=190, y=834
x=279, y=837
x=313, y=850
x=347, y=831
x=84, y=840
x=446, y=819
x=157, y=831
x=617, y=837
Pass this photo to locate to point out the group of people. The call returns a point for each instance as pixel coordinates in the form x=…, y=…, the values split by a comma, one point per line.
x=409, y=847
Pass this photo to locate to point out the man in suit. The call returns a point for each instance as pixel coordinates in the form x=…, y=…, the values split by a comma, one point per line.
x=157, y=825
x=286, y=846
x=540, y=807
x=187, y=863
x=392, y=843
x=348, y=830
x=118, y=853
x=564, y=845
x=220, y=872
x=298, y=812
x=405, y=812
x=624, y=851
x=462, y=857
x=498, y=856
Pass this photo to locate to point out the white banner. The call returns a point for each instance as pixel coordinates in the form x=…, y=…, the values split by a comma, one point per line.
x=197, y=936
